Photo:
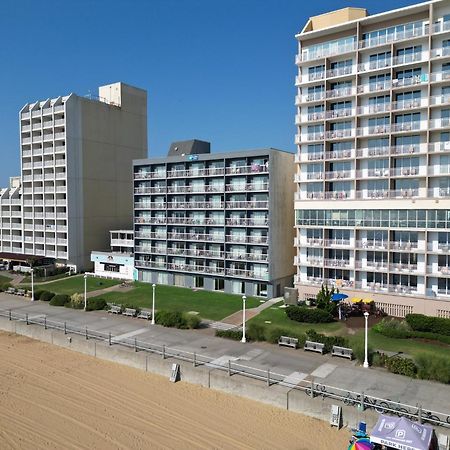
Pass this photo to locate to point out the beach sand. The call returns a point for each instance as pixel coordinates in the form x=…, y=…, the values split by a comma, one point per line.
x=52, y=398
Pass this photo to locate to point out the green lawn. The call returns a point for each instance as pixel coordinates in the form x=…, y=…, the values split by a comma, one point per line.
x=75, y=284
x=277, y=317
x=209, y=305
x=4, y=279
x=27, y=279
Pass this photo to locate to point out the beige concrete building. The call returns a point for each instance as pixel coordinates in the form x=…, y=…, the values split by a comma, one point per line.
x=76, y=177
x=373, y=163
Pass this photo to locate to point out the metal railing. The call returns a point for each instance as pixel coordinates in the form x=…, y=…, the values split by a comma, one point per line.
x=310, y=388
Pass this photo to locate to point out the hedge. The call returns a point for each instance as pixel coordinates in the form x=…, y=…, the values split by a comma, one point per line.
x=308, y=315
x=95, y=304
x=37, y=294
x=177, y=319
x=235, y=335
x=420, y=322
x=59, y=300
x=329, y=341
x=402, y=366
x=46, y=296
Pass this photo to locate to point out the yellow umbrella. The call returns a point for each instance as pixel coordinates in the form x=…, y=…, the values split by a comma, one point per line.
x=367, y=300
x=356, y=300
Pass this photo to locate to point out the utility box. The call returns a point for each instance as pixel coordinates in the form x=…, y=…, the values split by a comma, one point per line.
x=290, y=296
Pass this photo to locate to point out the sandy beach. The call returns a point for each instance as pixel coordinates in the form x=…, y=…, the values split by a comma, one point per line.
x=52, y=398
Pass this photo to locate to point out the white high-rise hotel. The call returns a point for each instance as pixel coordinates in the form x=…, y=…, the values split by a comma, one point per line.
x=373, y=162
x=76, y=180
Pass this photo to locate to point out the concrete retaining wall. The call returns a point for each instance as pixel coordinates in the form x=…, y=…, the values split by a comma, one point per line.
x=275, y=395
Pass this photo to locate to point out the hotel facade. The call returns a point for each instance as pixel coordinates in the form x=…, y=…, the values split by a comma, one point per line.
x=372, y=204
x=75, y=184
x=221, y=222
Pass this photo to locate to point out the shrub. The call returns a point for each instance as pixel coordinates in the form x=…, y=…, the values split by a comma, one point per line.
x=177, y=319
x=256, y=332
x=37, y=294
x=378, y=359
x=324, y=302
x=236, y=335
x=420, y=322
x=402, y=366
x=59, y=300
x=95, y=304
x=430, y=367
x=359, y=353
x=46, y=296
x=393, y=328
x=329, y=341
x=308, y=315
x=76, y=301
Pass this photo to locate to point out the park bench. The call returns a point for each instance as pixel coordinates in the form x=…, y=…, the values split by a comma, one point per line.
x=115, y=309
x=20, y=292
x=129, y=312
x=288, y=341
x=11, y=290
x=147, y=315
x=314, y=347
x=343, y=352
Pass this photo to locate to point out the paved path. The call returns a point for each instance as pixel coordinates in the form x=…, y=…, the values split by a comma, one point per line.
x=235, y=319
x=292, y=364
x=115, y=288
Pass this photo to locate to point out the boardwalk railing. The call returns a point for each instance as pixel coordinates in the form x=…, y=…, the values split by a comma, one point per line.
x=310, y=388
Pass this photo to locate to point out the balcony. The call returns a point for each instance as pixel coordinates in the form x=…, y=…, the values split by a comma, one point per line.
x=258, y=204
x=374, y=109
x=440, y=76
x=341, y=92
x=149, y=205
x=150, y=264
x=438, y=192
x=408, y=171
x=336, y=175
x=195, y=222
x=341, y=71
x=311, y=261
x=200, y=253
x=374, y=65
x=439, y=52
x=408, y=149
x=340, y=134
x=439, y=146
x=174, y=236
x=409, y=58
x=314, y=242
x=442, y=99
x=244, y=187
x=150, y=235
x=410, y=81
x=307, y=55
x=242, y=273
x=374, y=130
x=247, y=170
x=372, y=265
x=194, y=189
x=407, y=246
x=147, y=249
x=375, y=151
x=409, y=126
x=151, y=220
x=149, y=175
x=337, y=195
x=342, y=154
x=403, y=267
x=336, y=242
x=312, y=97
x=374, y=87
x=316, y=195
x=440, y=123
x=195, y=205
x=261, y=257
x=196, y=268
x=150, y=190
x=372, y=173
x=243, y=239
x=397, y=36
x=339, y=113
x=337, y=263
x=122, y=242
x=409, y=104
x=238, y=221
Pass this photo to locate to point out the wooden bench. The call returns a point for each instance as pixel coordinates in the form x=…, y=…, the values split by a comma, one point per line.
x=343, y=352
x=20, y=292
x=11, y=290
x=129, y=312
x=288, y=341
x=314, y=347
x=147, y=315
x=115, y=309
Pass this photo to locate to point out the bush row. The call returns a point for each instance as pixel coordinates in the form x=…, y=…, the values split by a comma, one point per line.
x=420, y=322
x=177, y=319
x=401, y=330
x=308, y=315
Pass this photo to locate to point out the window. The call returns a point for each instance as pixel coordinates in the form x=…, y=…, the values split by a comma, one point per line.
x=316, y=72
x=341, y=67
x=409, y=54
x=409, y=73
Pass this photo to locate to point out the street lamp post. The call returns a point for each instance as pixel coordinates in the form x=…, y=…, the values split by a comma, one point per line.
x=153, y=304
x=32, y=285
x=85, y=292
x=243, y=319
x=366, y=360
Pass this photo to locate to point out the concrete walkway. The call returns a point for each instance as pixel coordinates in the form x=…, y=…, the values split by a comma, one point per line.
x=290, y=363
x=235, y=319
x=116, y=288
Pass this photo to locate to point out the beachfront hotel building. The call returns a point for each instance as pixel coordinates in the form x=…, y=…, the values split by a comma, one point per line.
x=373, y=162
x=221, y=222
x=75, y=185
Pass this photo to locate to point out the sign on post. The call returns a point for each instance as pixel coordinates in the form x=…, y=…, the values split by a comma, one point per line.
x=335, y=417
x=175, y=373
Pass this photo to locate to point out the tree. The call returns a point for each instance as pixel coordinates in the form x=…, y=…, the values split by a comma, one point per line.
x=323, y=299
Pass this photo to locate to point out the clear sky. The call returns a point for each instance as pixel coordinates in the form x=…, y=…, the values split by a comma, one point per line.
x=221, y=71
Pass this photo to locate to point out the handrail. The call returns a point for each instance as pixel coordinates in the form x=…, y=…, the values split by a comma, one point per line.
x=349, y=398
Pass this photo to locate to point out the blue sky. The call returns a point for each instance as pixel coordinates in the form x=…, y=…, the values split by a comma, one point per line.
x=221, y=71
